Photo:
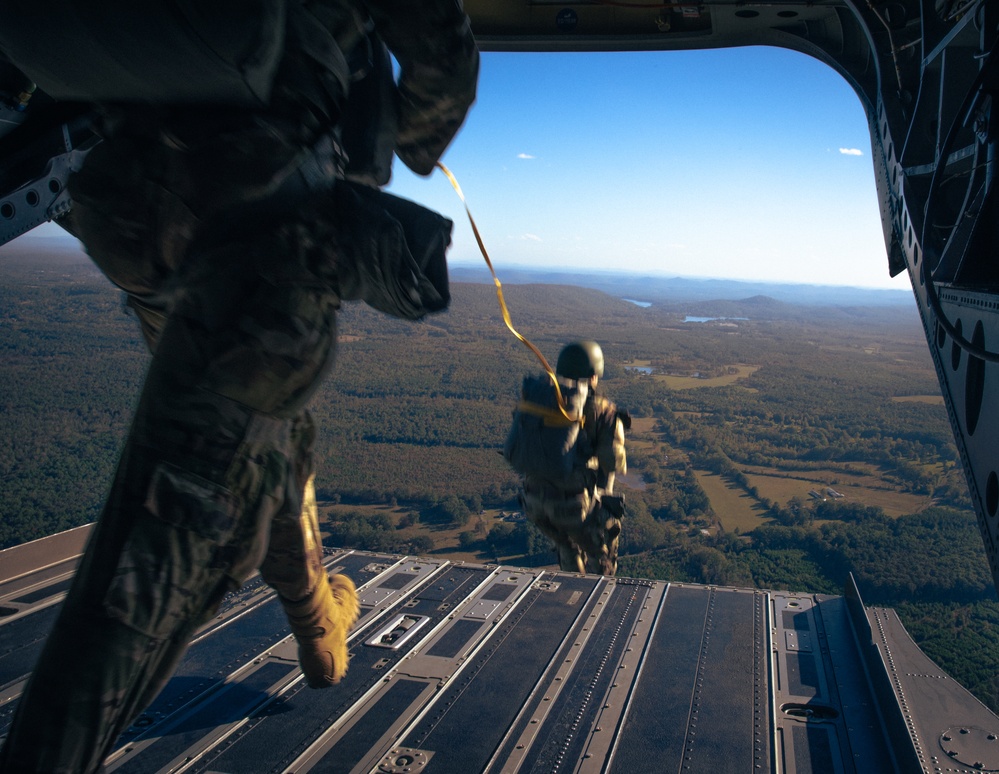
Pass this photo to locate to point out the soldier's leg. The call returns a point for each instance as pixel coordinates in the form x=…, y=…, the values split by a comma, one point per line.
x=570, y=557
x=205, y=469
x=534, y=510
x=135, y=230
x=600, y=541
x=294, y=560
x=612, y=542
x=540, y=510
x=321, y=610
x=569, y=515
x=170, y=543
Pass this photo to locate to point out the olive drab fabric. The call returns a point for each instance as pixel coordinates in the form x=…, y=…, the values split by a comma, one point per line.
x=221, y=226
x=438, y=64
x=545, y=443
x=580, y=360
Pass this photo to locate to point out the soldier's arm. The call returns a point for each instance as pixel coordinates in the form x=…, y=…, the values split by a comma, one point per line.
x=610, y=450
x=439, y=66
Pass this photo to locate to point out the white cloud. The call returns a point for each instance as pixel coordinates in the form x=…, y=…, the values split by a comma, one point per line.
x=530, y=237
x=525, y=156
x=851, y=151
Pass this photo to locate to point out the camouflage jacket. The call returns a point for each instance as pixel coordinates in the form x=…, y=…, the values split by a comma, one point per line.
x=216, y=157
x=438, y=60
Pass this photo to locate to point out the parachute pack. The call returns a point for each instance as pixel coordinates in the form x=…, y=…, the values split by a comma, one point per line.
x=542, y=441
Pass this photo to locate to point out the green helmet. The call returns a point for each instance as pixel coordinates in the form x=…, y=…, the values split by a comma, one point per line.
x=580, y=360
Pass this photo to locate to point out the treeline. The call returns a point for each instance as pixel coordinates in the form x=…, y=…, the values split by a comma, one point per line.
x=933, y=556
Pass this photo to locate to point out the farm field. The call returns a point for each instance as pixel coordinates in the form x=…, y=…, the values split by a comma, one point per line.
x=780, y=488
x=736, y=510
x=694, y=382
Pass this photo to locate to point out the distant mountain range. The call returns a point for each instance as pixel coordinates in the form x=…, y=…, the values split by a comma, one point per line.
x=678, y=290
x=651, y=289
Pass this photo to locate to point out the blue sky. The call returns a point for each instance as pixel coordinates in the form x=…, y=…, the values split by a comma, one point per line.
x=749, y=163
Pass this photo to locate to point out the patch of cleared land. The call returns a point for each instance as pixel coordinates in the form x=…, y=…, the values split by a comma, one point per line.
x=693, y=382
x=735, y=509
x=629, y=481
x=936, y=400
x=445, y=536
x=642, y=434
x=642, y=425
x=867, y=490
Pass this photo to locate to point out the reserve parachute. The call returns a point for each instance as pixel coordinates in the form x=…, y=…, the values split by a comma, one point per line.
x=545, y=440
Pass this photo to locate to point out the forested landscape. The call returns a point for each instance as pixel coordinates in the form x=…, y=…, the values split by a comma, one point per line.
x=774, y=445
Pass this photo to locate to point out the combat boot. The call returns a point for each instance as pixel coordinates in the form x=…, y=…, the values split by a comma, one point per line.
x=320, y=623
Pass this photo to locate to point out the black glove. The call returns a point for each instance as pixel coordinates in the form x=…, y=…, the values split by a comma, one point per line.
x=613, y=504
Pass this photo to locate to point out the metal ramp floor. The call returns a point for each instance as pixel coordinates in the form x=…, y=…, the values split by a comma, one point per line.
x=460, y=667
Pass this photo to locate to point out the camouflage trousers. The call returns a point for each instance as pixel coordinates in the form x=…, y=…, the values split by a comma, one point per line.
x=584, y=534
x=215, y=480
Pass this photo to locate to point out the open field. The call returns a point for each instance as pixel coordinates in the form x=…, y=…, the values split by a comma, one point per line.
x=934, y=400
x=642, y=435
x=735, y=509
x=630, y=481
x=738, y=510
x=641, y=425
x=693, y=382
x=832, y=473
x=780, y=489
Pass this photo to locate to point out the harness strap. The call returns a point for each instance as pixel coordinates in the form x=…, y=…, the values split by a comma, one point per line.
x=562, y=406
x=552, y=417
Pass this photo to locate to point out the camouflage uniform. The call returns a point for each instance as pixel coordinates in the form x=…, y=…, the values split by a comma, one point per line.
x=230, y=265
x=582, y=526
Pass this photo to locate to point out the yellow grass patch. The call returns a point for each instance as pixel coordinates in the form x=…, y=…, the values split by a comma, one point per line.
x=894, y=504
x=734, y=508
x=690, y=382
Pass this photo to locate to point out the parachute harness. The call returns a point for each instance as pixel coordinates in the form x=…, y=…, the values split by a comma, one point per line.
x=550, y=416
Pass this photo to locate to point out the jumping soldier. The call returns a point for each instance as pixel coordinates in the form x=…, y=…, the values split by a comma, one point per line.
x=236, y=231
x=579, y=511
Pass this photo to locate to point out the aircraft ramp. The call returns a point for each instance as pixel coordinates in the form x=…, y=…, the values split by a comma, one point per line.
x=460, y=667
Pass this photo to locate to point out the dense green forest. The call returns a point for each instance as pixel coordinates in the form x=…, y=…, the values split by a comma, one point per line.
x=743, y=425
